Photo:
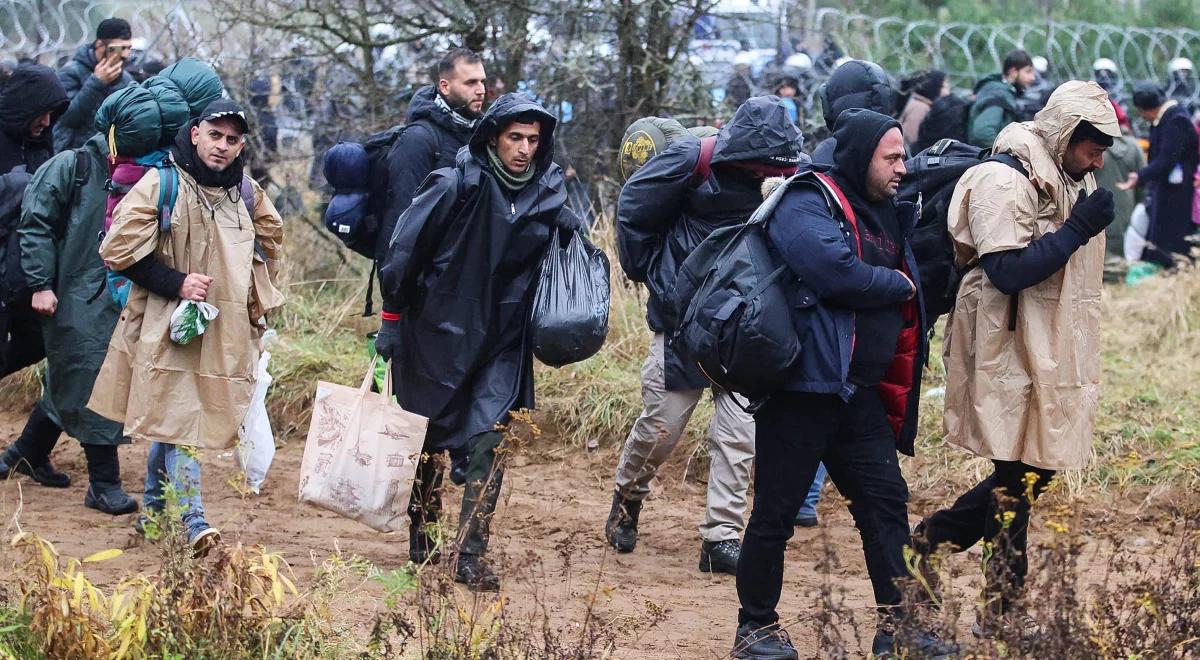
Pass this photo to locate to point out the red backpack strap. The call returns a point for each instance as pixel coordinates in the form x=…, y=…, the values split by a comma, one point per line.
x=703, y=167
x=847, y=210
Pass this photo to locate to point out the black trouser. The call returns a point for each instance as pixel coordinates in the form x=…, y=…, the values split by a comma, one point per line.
x=38, y=438
x=979, y=515
x=480, y=494
x=793, y=434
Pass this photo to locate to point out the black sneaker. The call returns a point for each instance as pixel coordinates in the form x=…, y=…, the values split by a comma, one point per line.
x=421, y=548
x=720, y=557
x=804, y=519
x=923, y=644
x=43, y=474
x=474, y=572
x=755, y=642
x=621, y=527
x=110, y=499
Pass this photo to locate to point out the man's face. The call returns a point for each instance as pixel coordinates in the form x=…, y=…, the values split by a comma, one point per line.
x=1082, y=158
x=517, y=144
x=114, y=48
x=38, y=126
x=1149, y=115
x=887, y=167
x=1023, y=77
x=218, y=142
x=463, y=89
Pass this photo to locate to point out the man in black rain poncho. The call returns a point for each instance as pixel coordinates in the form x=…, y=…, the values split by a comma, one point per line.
x=458, y=282
x=665, y=210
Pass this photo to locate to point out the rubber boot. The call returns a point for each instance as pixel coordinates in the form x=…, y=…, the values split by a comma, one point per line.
x=104, y=482
x=30, y=454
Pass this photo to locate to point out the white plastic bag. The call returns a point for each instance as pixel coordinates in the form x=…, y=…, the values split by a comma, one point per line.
x=190, y=319
x=1135, y=234
x=256, y=440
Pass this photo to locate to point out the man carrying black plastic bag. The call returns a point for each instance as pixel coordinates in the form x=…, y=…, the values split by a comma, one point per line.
x=458, y=283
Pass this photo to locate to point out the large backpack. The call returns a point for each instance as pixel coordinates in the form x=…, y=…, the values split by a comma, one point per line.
x=647, y=137
x=124, y=173
x=359, y=176
x=733, y=299
x=929, y=183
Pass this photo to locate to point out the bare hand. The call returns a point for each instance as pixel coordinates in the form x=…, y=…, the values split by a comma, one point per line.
x=45, y=303
x=912, y=287
x=109, y=69
x=195, y=287
x=1130, y=183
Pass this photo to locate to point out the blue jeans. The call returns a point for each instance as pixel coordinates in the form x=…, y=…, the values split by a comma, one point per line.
x=809, y=508
x=173, y=464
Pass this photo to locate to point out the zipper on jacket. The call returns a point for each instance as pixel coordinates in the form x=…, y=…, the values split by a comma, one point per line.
x=513, y=205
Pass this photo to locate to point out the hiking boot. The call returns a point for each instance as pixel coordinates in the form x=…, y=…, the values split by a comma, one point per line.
x=621, y=528
x=421, y=548
x=755, y=642
x=720, y=557
x=109, y=498
x=474, y=572
x=203, y=541
x=1010, y=624
x=920, y=644
x=43, y=474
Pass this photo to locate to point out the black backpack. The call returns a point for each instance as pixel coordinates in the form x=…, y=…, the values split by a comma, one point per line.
x=357, y=223
x=929, y=183
x=733, y=298
x=947, y=120
x=13, y=287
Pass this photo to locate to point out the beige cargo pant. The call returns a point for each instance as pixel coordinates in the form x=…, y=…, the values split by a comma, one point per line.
x=657, y=431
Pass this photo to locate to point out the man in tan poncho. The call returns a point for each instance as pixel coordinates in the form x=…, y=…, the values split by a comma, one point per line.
x=222, y=247
x=1022, y=348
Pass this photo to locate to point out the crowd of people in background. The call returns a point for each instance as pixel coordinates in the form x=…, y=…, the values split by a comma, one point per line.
x=468, y=203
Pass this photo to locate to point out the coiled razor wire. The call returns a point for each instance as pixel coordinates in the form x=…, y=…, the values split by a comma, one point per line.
x=41, y=28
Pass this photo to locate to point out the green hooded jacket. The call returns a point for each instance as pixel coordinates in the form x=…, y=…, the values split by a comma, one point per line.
x=994, y=108
x=60, y=242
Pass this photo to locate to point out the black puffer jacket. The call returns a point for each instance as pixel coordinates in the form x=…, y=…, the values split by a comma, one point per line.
x=663, y=214
x=461, y=272
x=430, y=142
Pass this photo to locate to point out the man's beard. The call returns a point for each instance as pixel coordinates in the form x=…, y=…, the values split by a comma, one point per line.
x=461, y=107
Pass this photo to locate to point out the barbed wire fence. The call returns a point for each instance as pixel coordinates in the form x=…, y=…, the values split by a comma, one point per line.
x=314, y=102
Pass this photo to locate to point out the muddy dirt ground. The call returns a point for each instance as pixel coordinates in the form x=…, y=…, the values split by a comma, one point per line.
x=547, y=540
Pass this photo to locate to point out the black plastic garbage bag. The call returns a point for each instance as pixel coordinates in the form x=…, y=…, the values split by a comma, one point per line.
x=570, y=308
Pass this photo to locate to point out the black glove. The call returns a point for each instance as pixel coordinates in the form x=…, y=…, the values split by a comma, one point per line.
x=1094, y=212
x=387, y=340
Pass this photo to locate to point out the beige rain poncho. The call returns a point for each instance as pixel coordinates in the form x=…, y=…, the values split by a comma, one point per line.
x=1031, y=394
x=195, y=394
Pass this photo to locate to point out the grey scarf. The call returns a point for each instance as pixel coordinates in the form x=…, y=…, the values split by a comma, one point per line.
x=458, y=119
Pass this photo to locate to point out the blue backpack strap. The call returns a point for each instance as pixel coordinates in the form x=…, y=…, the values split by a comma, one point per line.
x=246, y=189
x=168, y=192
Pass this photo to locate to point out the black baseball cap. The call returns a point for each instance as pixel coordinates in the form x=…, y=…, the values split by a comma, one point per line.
x=226, y=109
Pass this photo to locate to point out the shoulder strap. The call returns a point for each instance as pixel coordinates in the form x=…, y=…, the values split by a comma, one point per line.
x=703, y=168
x=168, y=192
x=246, y=189
x=83, y=171
x=844, y=203
x=1010, y=160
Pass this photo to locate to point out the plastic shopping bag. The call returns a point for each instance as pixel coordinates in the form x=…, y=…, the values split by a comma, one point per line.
x=256, y=440
x=190, y=319
x=570, y=309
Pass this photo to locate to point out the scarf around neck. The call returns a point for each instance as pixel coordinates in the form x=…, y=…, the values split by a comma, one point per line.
x=457, y=118
x=508, y=179
x=188, y=159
